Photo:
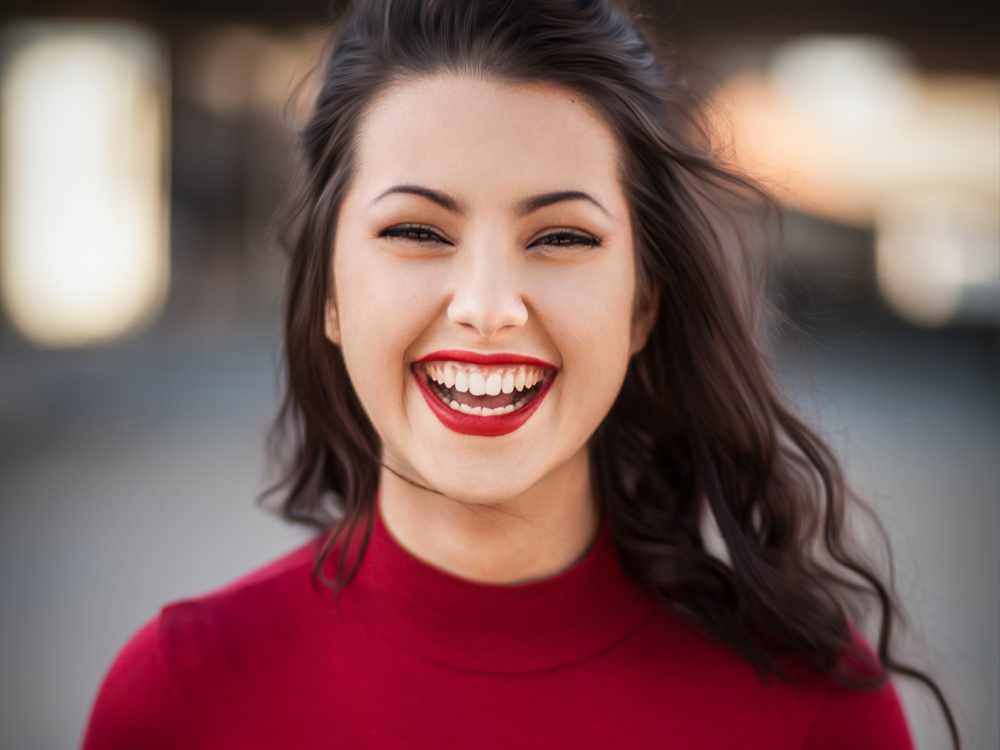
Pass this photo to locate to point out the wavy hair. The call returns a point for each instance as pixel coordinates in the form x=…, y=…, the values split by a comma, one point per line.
x=699, y=425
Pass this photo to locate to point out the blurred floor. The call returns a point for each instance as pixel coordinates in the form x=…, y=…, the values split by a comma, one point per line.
x=129, y=477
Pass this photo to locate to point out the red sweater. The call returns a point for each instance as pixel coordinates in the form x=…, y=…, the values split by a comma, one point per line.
x=417, y=658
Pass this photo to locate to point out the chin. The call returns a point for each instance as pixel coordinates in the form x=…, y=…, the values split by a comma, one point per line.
x=481, y=491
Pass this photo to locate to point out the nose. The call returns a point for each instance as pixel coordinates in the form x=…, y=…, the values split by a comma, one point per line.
x=486, y=296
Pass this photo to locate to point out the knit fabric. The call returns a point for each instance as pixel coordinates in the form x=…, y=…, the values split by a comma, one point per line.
x=412, y=656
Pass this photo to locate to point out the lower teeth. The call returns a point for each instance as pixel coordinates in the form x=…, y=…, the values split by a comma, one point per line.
x=483, y=411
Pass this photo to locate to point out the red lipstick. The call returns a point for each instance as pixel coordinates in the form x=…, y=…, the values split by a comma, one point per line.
x=500, y=358
x=472, y=424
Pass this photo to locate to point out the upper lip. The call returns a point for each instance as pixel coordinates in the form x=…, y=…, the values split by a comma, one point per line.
x=497, y=358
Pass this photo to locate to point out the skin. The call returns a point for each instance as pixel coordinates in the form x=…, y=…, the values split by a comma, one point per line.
x=520, y=506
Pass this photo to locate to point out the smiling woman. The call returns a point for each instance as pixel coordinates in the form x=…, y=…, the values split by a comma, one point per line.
x=520, y=365
x=486, y=276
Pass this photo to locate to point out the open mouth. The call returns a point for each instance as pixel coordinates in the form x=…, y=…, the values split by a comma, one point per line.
x=484, y=405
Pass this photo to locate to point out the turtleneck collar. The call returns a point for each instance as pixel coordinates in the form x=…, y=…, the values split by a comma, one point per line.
x=506, y=628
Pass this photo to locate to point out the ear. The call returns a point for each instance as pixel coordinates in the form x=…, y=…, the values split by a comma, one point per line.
x=331, y=322
x=644, y=320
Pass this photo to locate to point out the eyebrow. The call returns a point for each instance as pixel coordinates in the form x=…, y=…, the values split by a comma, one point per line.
x=523, y=207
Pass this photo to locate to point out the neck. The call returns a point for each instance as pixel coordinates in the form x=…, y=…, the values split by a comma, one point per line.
x=533, y=535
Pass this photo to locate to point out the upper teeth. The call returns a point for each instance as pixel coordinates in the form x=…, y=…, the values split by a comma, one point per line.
x=484, y=380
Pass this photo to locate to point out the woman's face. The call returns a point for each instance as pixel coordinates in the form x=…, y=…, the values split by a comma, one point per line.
x=483, y=275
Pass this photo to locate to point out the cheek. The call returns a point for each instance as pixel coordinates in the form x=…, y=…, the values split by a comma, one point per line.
x=379, y=302
x=588, y=309
x=382, y=312
x=590, y=323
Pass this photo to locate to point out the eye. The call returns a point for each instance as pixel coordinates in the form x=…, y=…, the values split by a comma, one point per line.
x=414, y=232
x=568, y=239
x=422, y=235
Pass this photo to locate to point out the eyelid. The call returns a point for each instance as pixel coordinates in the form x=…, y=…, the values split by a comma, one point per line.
x=407, y=227
x=583, y=238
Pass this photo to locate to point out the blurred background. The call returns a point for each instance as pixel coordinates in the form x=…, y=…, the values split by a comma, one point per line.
x=145, y=150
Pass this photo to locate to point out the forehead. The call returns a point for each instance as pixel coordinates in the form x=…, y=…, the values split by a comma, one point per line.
x=486, y=139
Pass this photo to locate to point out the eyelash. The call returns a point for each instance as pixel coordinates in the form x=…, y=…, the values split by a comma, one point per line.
x=398, y=232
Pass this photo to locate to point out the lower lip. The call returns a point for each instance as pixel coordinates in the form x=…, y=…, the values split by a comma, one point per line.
x=472, y=424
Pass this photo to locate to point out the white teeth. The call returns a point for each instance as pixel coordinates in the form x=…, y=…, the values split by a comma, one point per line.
x=480, y=381
x=493, y=383
x=482, y=410
x=470, y=382
x=484, y=381
x=477, y=384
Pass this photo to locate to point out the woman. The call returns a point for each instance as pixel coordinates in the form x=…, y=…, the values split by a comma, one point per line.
x=522, y=378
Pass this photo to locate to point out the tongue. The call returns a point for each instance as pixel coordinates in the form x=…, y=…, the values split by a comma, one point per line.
x=491, y=402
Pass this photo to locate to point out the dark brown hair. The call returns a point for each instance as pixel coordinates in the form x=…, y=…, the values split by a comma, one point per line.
x=699, y=424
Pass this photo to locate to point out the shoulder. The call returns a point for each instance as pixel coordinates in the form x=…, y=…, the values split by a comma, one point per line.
x=145, y=694
x=215, y=629
x=812, y=712
x=866, y=719
x=137, y=699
